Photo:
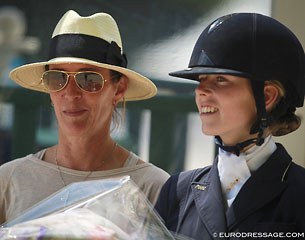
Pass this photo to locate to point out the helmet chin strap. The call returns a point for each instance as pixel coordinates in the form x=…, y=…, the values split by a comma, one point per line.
x=259, y=126
x=236, y=149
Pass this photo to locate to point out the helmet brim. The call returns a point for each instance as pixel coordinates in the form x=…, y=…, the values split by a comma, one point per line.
x=194, y=72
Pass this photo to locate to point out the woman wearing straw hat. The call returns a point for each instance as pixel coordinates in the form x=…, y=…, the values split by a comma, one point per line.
x=250, y=70
x=86, y=78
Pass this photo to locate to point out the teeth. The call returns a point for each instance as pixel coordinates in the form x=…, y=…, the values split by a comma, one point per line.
x=209, y=109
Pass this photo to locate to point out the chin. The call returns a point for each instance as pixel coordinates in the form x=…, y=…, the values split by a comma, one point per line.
x=208, y=131
x=75, y=130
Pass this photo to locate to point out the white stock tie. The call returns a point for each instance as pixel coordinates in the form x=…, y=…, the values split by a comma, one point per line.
x=233, y=172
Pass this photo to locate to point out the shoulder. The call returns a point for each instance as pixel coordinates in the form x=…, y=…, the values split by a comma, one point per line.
x=147, y=176
x=185, y=178
x=153, y=172
x=296, y=174
x=293, y=176
x=148, y=170
x=12, y=174
x=12, y=165
x=151, y=176
x=173, y=194
x=180, y=182
x=18, y=166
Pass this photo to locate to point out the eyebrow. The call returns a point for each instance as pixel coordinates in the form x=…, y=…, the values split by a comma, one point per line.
x=202, y=77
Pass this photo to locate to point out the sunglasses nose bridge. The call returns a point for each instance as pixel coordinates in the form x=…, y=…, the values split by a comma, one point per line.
x=72, y=81
x=70, y=74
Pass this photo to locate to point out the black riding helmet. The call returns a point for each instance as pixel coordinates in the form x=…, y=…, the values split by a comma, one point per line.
x=256, y=47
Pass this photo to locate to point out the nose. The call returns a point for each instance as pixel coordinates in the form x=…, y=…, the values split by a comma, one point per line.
x=71, y=91
x=204, y=88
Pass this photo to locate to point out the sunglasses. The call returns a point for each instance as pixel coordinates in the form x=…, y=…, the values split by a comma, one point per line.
x=56, y=80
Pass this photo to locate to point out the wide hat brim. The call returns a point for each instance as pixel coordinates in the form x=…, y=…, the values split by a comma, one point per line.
x=29, y=76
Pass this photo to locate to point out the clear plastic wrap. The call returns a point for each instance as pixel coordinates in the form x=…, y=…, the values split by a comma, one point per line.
x=100, y=209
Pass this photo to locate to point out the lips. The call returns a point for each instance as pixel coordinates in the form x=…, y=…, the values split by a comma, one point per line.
x=74, y=112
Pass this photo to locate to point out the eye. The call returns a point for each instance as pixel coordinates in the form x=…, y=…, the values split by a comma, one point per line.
x=202, y=78
x=221, y=79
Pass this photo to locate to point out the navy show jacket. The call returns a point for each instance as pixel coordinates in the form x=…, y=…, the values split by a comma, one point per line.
x=272, y=201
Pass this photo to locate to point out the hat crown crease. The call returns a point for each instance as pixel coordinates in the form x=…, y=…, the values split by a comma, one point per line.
x=100, y=25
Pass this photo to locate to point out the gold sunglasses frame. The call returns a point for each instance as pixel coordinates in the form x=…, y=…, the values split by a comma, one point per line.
x=68, y=74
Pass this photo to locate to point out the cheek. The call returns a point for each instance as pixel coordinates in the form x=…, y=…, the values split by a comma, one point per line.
x=247, y=111
x=52, y=97
x=102, y=105
x=197, y=103
x=55, y=98
x=54, y=101
x=240, y=107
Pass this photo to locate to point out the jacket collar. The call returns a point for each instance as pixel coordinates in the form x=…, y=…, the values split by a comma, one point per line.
x=208, y=199
x=264, y=185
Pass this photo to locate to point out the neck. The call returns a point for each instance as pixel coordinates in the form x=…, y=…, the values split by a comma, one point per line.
x=239, y=147
x=242, y=144
x=86, y=155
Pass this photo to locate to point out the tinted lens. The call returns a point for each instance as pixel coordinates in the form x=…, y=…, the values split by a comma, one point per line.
x=54, y=80
x=89, y=81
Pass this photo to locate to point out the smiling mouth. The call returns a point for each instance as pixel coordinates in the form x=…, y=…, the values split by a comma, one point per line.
x=208, y=109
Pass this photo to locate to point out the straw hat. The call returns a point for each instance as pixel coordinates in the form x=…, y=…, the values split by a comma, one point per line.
x=91, y=40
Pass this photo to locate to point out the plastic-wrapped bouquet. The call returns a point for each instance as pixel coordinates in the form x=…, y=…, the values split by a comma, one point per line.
x=101, y=209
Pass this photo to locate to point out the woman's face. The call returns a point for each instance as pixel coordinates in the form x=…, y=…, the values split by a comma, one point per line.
x=226, y=106
x=80, y=113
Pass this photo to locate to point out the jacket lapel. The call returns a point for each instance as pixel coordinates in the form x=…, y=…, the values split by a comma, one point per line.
x=208, y=200
x=263, y=186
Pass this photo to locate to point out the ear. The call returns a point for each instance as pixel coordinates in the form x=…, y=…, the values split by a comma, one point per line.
x=121, y=88
x=272, y=95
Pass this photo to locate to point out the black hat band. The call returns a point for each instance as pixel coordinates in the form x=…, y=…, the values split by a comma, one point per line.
x=87, y=47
